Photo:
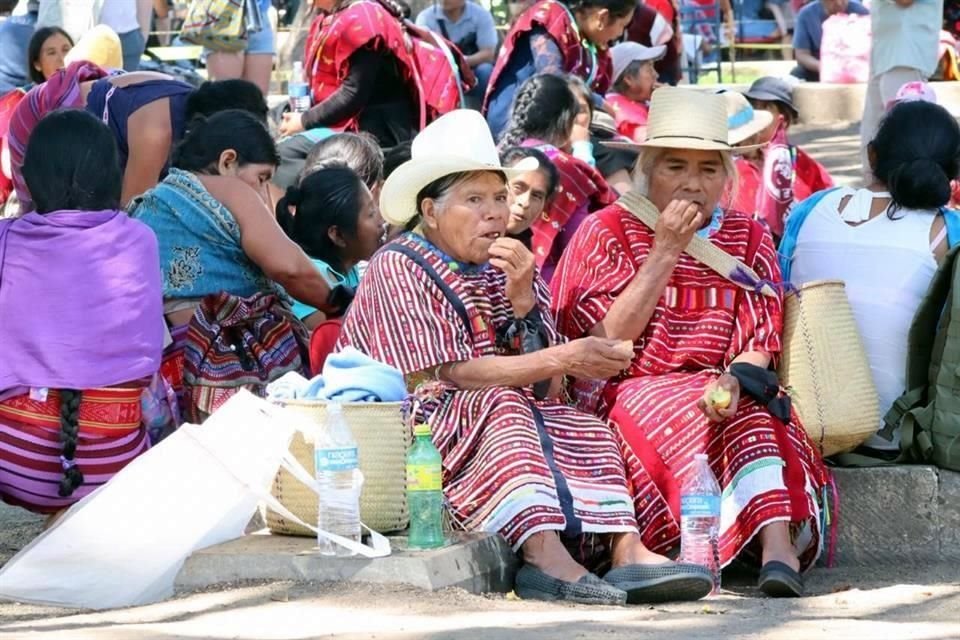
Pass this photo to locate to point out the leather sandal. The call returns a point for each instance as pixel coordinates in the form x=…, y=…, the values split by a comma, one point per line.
x=779, y=580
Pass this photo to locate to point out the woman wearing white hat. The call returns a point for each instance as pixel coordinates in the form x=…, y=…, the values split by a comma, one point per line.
x=455, y=304
x=697, y=338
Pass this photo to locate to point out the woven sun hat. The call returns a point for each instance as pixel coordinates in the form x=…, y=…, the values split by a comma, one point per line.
x=99, y=45
x=626, y=52
x=743, y=121
x=457, y=142
x=684, y=119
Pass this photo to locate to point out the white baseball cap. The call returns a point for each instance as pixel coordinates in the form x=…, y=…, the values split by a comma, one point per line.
x=626, y=52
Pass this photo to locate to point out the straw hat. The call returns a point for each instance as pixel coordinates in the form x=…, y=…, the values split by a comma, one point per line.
x=99, y=45
x=684, y=119
x=457, y=142
x=743, y=121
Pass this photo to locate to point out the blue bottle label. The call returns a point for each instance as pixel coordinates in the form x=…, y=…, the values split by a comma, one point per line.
x=699, y=506
x=339, y=459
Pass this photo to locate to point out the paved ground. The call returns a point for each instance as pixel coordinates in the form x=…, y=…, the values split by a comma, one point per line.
x=892, y=603
x=837, y=147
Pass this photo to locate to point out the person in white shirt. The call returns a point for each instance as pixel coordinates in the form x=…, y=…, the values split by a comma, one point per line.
x=906, y=35
x=884, y=241
x=124, y=17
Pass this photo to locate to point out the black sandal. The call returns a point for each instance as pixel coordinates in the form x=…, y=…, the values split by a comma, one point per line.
x=667, y=582
x=779, y=580
x=533, y=584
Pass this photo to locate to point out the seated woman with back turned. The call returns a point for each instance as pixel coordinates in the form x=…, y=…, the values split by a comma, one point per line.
x=81, y=321
x=884, y=241
x=457, y=303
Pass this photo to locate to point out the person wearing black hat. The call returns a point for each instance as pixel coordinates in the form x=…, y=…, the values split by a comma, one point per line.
x=807, y=175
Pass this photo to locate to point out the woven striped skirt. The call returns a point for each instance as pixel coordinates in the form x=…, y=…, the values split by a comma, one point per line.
x=110, y=436
x=516, y=466
x=768, y=471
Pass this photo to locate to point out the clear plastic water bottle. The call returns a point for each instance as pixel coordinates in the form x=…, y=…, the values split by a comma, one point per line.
x=700, y=519
x=298, y=90
x=425, y=491
x=339, y=482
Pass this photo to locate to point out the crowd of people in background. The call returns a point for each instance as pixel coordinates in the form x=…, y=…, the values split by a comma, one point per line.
x=466, y=211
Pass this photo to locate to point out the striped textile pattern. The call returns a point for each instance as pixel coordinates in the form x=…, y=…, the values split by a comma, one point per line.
x=768, y=471
x=512, y=464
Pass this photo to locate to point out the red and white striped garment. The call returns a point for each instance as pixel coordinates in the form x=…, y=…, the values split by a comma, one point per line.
x=768, y=471
x=111, y=435
x=512, y=464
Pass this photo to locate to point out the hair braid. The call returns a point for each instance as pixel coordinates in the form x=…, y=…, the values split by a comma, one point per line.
x=517, y=130
x=69, y=433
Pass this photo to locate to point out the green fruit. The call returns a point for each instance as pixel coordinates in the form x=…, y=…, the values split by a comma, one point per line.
x=720, y=398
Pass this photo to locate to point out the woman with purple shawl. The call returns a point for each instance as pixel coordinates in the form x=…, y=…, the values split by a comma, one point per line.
x=81, y=321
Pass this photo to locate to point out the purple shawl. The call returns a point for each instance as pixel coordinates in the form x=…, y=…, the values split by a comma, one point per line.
x=80, y=300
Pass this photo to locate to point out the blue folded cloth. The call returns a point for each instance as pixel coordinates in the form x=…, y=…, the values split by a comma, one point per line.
x=348, y=376
x=352, y=376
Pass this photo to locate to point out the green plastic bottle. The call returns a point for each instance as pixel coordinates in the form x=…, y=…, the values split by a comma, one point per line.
x=425, y=491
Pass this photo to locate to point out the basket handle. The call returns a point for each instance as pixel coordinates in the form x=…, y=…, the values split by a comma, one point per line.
x=379, y=545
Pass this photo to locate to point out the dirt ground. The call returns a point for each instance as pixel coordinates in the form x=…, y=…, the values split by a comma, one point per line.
x=892, y=603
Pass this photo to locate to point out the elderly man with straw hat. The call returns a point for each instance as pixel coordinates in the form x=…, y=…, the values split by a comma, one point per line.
x=694, y=288
x=461, y=310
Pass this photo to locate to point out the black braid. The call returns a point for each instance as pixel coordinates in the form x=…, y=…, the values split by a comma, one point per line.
x=69, y=432
x=523, y=103
x=394, y=8
x=545, y=108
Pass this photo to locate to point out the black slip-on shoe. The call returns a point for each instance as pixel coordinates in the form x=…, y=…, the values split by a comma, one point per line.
x=668, y=582
x=779, y=580
x=533, y=584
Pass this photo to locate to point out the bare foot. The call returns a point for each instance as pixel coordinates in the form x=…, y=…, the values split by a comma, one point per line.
x=546, y=552
x=775, y=540
x=629, y=549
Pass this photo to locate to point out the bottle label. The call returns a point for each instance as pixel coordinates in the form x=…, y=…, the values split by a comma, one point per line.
x=700, y=506
x=337, y=459
x=424, y=477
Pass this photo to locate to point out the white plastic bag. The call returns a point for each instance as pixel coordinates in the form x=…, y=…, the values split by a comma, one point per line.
x=123, y=544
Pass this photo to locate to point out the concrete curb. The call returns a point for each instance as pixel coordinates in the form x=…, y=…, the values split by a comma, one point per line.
x=478, y=563
x=896, y=515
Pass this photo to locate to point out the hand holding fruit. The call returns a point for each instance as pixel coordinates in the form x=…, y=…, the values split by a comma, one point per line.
x=720, y=398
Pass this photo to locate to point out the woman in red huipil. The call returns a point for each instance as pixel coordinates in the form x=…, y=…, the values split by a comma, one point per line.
x=372, y=70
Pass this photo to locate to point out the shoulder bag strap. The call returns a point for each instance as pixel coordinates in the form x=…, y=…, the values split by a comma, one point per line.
x=448, y=293
x=701, y=250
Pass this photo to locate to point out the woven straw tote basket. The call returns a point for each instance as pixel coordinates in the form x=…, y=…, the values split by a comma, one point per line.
x=382, y=442
x=823, y=363
x=826, y=368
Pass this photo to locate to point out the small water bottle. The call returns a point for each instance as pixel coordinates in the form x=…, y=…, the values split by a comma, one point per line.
x=424, y=491
x=700, y=519
x=339, y=482
x=298, y=90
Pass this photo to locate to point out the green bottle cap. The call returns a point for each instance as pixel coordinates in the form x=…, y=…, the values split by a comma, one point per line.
x=422, y=430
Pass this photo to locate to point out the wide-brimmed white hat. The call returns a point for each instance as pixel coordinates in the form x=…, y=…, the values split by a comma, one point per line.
x=457, y=142
x=626, y=52
x=743, y=121
x=685, y=119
